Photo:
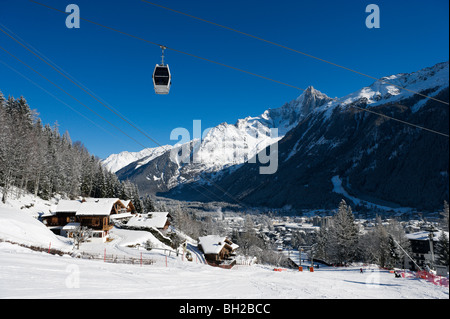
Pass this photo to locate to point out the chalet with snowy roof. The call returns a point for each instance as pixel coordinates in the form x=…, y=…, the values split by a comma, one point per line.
x=94, y=213
x=218, y=250
x=64, y=213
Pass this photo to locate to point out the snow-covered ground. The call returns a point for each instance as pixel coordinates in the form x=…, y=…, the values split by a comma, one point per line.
x=29, y=274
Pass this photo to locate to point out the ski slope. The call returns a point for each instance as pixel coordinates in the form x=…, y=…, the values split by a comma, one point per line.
x=28, y=274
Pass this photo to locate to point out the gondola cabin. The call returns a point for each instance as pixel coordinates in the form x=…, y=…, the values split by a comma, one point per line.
x=162, y=79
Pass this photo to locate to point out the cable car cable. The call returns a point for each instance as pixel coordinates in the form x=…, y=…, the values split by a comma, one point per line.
x=293, y=50
x=79, y=86
x=57, y=66
x=241, y=70
x=169, y=48
x=55, y=97
x=31, y=68
x=57, y=86
x=214, y=184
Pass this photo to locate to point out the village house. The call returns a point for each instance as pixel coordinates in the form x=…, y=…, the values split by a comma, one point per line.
x=218, y=250
x=129, y=207
x=94, y=213
x=422, y=247
x=64, y=214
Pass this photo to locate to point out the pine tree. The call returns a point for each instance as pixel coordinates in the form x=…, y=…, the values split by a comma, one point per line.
x=147, y=204
x=35, y=157
x=136, y=200
x=343, y=238
x=322, y=243
x=442, y=250
x=444, y=215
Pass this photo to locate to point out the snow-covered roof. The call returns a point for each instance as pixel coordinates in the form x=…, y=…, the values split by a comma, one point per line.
x=213, y=244
x=424, y=235
x=67, y=206
x=97, y=206
x=120, y=216
x=154, y=219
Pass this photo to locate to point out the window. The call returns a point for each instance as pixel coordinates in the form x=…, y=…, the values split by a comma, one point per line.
x=161, y=76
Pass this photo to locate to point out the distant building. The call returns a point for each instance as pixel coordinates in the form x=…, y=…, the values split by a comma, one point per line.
x=422, y=247
x=322, y=221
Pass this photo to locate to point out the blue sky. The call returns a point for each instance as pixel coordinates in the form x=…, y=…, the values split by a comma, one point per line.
x=413, y=35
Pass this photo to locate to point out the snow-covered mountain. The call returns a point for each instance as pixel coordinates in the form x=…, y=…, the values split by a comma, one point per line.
x=220, y=151
x=380, y=161
x=430, y=81
x=227, y=148
x=115, y=162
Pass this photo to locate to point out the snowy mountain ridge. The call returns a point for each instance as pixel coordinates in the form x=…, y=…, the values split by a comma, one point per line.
x=390, y=89
x=228, y=146
x=233, y=144
x=376, y=159
x=115, y=162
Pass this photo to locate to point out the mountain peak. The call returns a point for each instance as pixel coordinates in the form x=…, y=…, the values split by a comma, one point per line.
x=309, y=100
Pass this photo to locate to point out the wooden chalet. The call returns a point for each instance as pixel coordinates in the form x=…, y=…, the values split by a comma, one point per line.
x=94, y=213
x=161, y=220
x=218, y=250
x=129, y=207
x=64, y=214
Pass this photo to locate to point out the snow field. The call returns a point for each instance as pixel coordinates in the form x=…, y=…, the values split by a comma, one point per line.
x=28, y=274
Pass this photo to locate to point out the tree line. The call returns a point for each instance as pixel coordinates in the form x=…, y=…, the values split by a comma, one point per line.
x=37, y=158
x=340, y=241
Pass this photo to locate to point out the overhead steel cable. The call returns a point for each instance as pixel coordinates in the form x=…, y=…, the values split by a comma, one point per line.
x=294, y=50
x=400, y=121
x=173, y=49
x=79, y=86
x=70, y=95
x=250, y=73
x=85, y=90
x=55, y=97
x=37, y=72
x=52, y=62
